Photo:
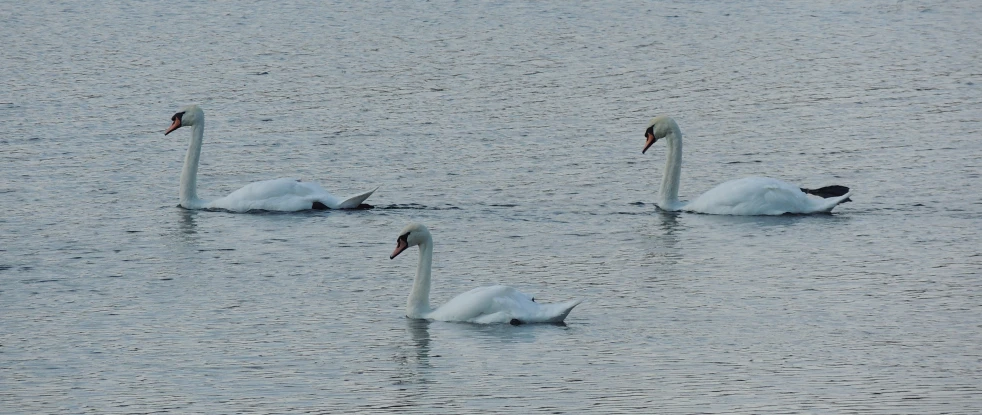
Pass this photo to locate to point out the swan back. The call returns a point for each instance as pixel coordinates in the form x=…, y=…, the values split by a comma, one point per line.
x=760, y=196
x=500, y=304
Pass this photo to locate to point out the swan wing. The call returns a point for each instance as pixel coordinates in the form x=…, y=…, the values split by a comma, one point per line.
x=500, y=304
x=284, y=195
x=753, y=196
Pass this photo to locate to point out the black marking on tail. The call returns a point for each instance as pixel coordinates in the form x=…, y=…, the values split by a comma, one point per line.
x=828, y=191
x=515, y=322
x=320, y=206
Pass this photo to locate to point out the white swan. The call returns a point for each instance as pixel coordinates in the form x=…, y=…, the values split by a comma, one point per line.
x=747, y=196
x=288, y=195
x=483, y=305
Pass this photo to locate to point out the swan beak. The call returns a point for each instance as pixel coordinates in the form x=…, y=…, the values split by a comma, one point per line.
x=401, y=245
x=174, y=126
x=651, y=140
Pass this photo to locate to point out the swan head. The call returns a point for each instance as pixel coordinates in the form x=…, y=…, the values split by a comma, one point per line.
x=659, y=127
x=412, y=235
x=188, y=116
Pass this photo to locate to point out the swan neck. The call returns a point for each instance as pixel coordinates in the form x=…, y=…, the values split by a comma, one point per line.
x=418, y=304
x=189, y=175
x=669, y=192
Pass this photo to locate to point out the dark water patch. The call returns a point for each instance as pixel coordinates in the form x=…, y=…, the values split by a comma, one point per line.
x=312, y=212
x=39, y=280
x=580, y=234
x=416, y=206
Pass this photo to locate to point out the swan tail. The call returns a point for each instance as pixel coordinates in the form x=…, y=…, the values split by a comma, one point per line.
x=828, y=191
x=354, y=202
x=832, y=202
x=556, y=313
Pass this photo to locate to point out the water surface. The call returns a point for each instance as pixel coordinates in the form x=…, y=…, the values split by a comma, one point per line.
x=513, y=130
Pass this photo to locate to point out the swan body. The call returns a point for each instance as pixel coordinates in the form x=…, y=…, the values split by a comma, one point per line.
x=483, y=305
x=747, y=196
x=286, y=194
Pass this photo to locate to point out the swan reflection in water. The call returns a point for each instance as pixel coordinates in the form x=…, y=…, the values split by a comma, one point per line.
x=664, y=241
x=413, y=370
x=185, y=229
x=185, y=224
x=419, y=333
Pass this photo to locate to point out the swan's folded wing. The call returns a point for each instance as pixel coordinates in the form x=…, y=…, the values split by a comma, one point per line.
x=774, y=199
x=751, y=196
x=286, y=195
x=470, y=305
x=515, y=305
x=500, y=304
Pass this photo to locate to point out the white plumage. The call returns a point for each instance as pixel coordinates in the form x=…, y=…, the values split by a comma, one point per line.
x=747, y=196
x=483, y=305
x=285, y=194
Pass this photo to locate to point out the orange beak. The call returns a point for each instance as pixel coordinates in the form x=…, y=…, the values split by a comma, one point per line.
x=651, y=140
x=401, y=245
x=174, y=126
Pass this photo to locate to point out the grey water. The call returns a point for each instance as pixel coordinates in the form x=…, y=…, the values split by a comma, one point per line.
x=513, y=130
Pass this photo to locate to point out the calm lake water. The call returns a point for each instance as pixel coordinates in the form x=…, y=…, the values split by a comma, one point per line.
x=514, y=131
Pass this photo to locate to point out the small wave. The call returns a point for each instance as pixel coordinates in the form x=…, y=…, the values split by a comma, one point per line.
x=416, y=206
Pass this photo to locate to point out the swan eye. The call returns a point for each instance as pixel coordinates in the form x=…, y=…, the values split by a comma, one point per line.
x=650, y=130
x=177, y=116
x=404, y=237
